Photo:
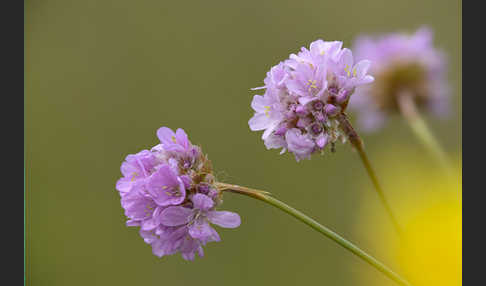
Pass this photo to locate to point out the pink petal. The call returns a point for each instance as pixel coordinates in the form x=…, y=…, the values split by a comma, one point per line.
x=224, y=219
x=174, y=216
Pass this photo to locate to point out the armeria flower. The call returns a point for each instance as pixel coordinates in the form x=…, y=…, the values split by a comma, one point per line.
x=402, y=64
x=304, y=94
x=170, y=193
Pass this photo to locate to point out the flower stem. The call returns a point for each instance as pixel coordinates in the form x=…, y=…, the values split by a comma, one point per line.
x=357, y=143
x=265, y=197
x=409, y=110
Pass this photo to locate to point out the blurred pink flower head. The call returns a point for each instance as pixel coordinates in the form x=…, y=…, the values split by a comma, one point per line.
x=402, y=63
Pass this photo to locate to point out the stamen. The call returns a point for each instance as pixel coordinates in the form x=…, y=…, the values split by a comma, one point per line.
x=346, y=69
x=267, y=110
x=134, y=174
x=312, y=84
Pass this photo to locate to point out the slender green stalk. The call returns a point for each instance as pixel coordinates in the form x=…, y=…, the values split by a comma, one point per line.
x=419, y=127
x=357, y=143
x=265, y=197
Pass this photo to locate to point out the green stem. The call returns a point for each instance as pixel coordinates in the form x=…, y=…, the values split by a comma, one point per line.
x=265, y=197
x=419, y=127
x=357, y=143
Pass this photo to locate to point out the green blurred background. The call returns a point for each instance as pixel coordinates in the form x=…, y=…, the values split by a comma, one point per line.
x=100, y=78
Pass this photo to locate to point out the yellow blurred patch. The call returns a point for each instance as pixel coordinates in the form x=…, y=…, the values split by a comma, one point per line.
x=428, y=205
x=431, y=253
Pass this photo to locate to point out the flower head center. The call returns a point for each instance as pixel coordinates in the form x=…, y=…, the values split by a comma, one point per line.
x=312, y=84
x=173, y=191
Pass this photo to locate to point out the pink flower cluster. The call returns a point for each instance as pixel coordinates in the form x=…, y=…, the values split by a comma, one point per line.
x=304, y=94
x=170, y=193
